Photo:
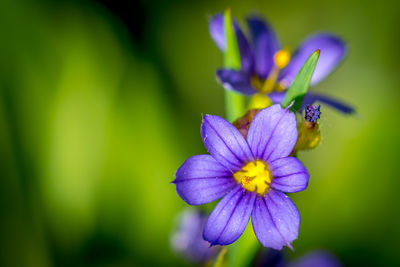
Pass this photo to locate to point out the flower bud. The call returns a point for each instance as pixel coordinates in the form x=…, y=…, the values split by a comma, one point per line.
x=243, y=123
x=309, y=135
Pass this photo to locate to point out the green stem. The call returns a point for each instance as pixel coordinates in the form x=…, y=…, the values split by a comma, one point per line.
x=234, y=105
x=242, y=252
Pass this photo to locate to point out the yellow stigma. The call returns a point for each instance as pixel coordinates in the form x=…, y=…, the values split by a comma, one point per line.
x=254, y=177
x=282, y=58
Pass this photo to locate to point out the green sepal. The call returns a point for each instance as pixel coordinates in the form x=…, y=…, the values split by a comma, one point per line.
x=301, y=83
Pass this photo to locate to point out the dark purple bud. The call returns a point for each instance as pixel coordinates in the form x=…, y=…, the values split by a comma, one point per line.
x=313, y=113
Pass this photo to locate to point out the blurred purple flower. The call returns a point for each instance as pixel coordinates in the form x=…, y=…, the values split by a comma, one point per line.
x=318, y=258
x=269, y=69
x=251, y=175
x=188, y=240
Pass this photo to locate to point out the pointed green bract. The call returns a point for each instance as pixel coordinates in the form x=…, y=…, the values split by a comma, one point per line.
x=232, y=55
x=301, y=83
x=234, y=102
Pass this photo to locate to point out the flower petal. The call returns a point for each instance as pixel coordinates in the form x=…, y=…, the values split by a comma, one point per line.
x=238, y=81
x=201, y=179
x=225, y=143
x=333, y=50
x=289, y=175
x=310, y=98
x=217, y=32
x=187, y=240
x=272, y=133
x=230, y=217
x=266, y=44
x=276, y=97
x=276, y=220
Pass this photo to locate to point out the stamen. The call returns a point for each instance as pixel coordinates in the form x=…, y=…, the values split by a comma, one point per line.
x=246, y=180
x=269, y=83
x=282, y=58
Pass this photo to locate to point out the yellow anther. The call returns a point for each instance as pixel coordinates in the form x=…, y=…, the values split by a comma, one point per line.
x=246, y=180
x=254, y=177
x=282, y=58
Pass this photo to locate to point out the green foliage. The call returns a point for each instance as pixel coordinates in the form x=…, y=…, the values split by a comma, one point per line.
x=234, y=102
x=301, y=82
x=232, y=54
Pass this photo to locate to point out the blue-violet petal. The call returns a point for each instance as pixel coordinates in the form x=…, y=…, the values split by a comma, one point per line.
x=275, y=220
x=201, y=179
x=230, y=217
x=225, y=143
x=272, y=133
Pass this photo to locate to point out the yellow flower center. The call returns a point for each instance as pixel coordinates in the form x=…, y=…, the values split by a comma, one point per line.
x=254, y=177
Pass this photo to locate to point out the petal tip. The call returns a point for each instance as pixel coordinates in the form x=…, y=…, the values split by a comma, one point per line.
x=213, y=245
x=204, y=117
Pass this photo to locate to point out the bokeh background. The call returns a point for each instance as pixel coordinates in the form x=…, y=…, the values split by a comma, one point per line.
x=101, y=101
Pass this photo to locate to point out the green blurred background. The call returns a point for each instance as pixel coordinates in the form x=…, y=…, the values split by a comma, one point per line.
x=100, y=102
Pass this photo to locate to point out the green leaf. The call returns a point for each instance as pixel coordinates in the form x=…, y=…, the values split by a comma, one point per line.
x=232, y=54
x=234, y=102
x=301, y=83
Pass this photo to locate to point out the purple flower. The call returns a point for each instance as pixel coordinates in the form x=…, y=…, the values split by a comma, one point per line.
x=269, y=69
x=188, y=240
x=250, y=174
x=317, y=258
